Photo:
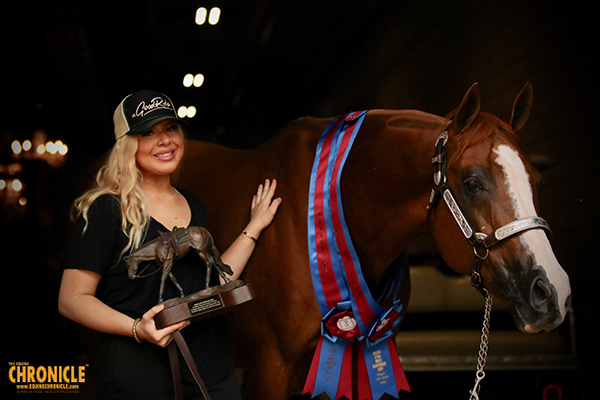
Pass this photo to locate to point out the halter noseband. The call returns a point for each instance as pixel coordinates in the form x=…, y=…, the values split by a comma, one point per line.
x=480, y=241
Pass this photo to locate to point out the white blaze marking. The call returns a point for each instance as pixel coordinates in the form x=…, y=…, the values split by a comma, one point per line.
x=535, y=240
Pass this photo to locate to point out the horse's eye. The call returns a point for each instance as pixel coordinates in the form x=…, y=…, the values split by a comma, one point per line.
x=472, y=185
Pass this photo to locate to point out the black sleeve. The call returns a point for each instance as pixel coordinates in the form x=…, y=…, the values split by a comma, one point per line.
x=99, y=247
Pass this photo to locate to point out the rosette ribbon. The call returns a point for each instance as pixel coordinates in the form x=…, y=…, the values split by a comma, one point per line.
x=350, y=313
x=331, y=369
x=378, y=359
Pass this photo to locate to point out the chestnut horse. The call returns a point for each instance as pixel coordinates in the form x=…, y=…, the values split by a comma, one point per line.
x=385, y=188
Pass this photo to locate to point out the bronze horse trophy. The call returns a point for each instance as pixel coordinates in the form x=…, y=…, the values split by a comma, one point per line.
x=171, y=246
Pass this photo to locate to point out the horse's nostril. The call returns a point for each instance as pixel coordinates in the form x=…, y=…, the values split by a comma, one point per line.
x=539, y=295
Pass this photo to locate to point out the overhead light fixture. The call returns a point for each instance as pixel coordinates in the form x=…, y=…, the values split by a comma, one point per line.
x=191, y=112
x=186, y=112
x=188, y=80
x=200, y=16
x=196, y=80
x=16, y=147
x=213, y=16
x=16, y=185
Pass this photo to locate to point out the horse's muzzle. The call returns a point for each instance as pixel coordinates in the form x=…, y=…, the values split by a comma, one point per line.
x=541, y=310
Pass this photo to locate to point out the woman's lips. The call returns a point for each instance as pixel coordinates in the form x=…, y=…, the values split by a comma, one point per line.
x=167, y=156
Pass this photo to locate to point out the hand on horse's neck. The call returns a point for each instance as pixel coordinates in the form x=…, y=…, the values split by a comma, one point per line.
x=167, y=205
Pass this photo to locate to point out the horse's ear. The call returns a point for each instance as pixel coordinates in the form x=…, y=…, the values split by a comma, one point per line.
x=521, y=108
x=468, y=109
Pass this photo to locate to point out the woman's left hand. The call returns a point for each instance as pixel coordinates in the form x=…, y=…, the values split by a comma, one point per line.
x=264, y=208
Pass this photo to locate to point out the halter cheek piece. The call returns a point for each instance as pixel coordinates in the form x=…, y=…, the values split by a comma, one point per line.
x=480, y=241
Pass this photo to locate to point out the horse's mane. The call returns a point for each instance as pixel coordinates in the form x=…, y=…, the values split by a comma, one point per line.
x=484, y=126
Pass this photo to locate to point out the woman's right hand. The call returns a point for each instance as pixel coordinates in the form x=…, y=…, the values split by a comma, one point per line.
x=146, y=328
x=77, y=301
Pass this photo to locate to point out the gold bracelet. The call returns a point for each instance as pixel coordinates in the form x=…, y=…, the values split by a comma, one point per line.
x=135, y=336
x=249, y=235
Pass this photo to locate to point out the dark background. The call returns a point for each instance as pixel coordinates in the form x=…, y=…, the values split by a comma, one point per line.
x=67, y=64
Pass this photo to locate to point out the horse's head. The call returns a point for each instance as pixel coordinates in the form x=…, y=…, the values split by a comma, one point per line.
x=132, y=266
x=484, y=215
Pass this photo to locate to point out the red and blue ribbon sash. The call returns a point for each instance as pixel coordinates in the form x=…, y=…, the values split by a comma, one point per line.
x=349, y=311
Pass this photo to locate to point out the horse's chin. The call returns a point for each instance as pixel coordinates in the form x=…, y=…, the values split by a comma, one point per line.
x=533, y=327
x=521, y=324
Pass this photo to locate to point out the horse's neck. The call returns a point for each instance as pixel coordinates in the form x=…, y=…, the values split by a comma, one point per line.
x=224, y=179
x=386, y=185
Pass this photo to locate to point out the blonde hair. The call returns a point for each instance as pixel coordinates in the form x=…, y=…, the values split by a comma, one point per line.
x=120, y=176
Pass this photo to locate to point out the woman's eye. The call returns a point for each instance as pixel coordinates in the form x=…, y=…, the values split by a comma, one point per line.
x=149, y=133
x=472, y=185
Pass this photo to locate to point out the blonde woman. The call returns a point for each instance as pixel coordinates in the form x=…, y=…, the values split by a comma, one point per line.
x=131, y=202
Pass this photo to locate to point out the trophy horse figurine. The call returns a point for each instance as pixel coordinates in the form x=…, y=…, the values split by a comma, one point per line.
x=171, y=246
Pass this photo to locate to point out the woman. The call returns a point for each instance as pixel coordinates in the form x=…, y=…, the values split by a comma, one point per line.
x=132, y=201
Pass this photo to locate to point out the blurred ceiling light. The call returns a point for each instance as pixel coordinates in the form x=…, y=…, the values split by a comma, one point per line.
x=22, y=201
x=41, y=149
x=51, y=147
x=16, y=147
x=17, y=185
x=60, y=147
x=188, y=80
x=27, y=145
x=200, y=16
x=63, y=149
x=181, y=111
x=215, y=14
x=14, y=168
x=186, y=112
x=191, y=112
x=2, y=184
x=198, y=80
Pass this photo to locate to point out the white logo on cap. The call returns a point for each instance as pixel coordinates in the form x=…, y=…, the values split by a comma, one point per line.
x=156, y=103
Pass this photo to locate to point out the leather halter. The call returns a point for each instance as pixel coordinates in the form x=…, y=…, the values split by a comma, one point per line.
x=480, y=242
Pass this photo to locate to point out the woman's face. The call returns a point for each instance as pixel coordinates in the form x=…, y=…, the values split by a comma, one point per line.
x=160, y=150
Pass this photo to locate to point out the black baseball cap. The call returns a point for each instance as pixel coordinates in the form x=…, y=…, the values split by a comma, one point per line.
x=140, y=111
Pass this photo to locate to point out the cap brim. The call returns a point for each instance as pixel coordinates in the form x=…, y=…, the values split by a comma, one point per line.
x=147, y=125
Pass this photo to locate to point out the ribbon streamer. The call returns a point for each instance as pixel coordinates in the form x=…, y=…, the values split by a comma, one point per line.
x=349, y=311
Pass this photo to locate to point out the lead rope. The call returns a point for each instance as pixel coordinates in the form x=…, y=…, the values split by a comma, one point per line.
x=483, y=346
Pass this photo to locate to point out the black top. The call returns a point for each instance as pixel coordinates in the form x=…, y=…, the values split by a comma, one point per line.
x=99, y=249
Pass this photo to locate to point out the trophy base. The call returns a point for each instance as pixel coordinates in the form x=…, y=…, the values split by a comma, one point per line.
x=204, y=304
